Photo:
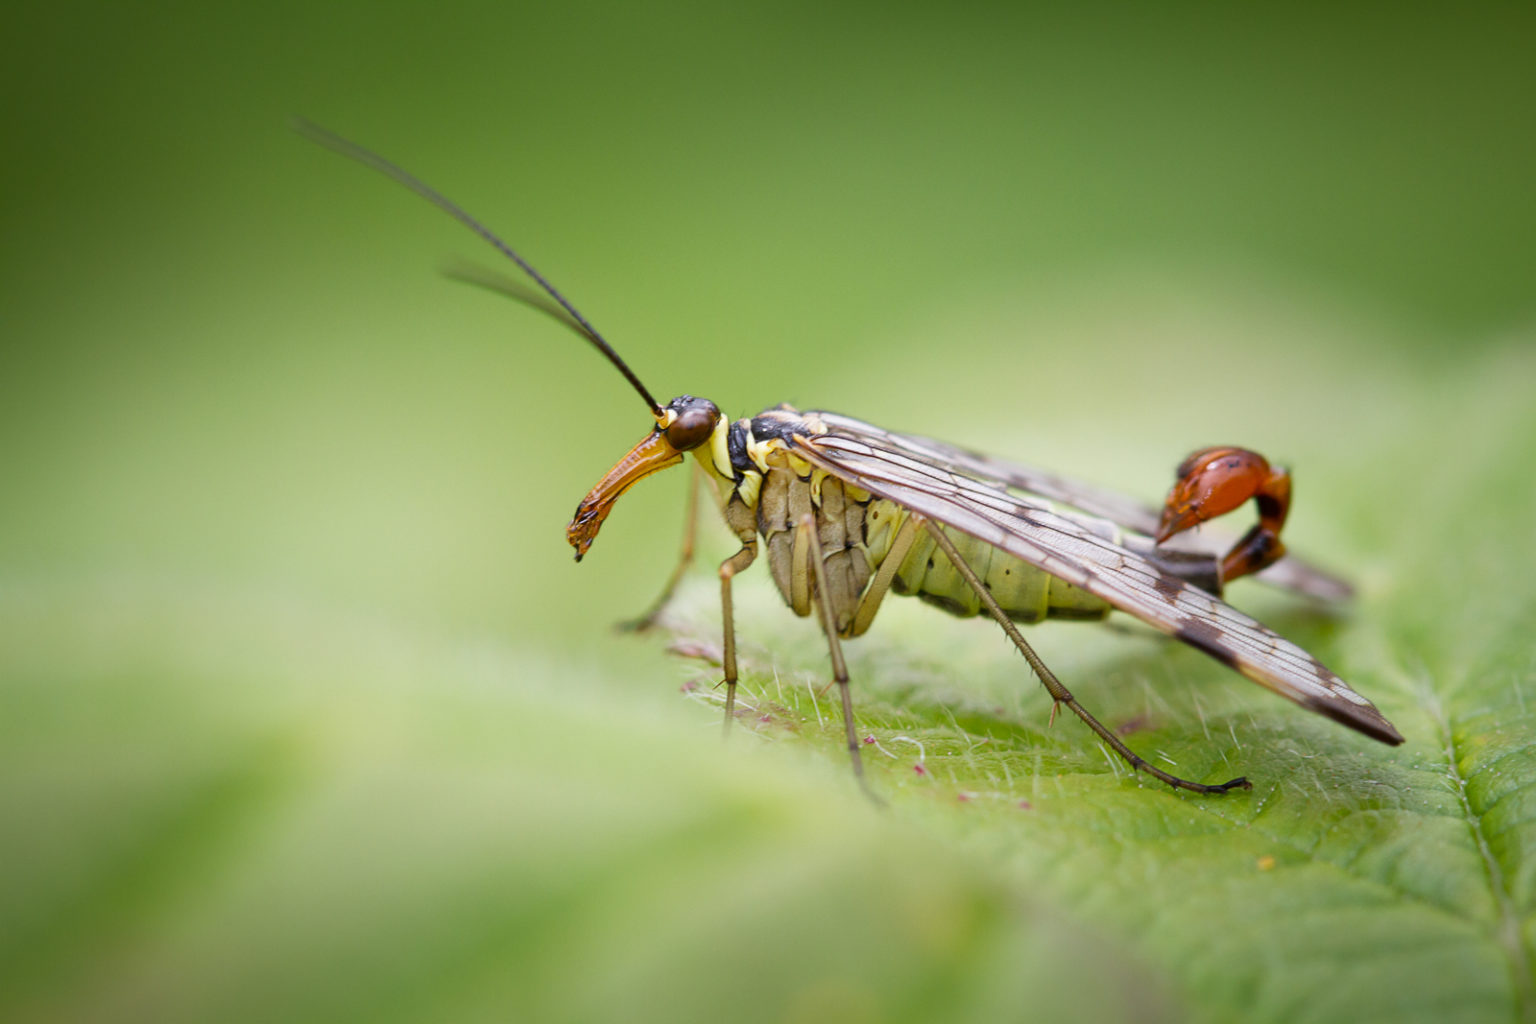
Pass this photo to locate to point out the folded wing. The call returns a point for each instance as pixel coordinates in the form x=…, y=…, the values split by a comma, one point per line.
x=933, y=482
x=1290, y=573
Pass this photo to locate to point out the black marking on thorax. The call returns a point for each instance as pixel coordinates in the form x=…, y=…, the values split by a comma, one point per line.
x=781, y=422
x=736, y=447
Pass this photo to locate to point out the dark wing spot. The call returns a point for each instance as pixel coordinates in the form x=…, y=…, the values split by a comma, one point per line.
x=1357, y=718
x=1167, y=587
x=1208, y=638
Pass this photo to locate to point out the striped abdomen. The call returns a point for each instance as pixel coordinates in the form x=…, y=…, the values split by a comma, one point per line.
x=1026, y=593
x=859, y=534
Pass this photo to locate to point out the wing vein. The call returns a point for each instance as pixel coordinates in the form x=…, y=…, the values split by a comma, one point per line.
x=971, y=494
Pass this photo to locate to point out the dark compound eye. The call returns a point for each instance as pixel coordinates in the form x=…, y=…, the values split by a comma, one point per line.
x=693, y=426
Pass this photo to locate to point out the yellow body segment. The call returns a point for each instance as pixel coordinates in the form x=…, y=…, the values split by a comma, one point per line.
x=1025, y=593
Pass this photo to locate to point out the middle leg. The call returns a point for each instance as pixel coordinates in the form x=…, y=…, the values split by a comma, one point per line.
x=807, y=536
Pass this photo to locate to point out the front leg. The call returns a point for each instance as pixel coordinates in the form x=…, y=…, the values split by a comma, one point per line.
x=728, y=569
x=690, y=531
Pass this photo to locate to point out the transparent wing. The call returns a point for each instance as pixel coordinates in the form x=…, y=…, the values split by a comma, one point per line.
x=885, y=465
x=1289, y=573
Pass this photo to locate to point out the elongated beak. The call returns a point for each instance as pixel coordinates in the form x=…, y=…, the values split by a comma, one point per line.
x=649, y=456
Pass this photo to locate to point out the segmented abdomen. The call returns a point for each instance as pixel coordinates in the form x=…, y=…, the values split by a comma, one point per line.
x=1026, y=593
x=857, y=532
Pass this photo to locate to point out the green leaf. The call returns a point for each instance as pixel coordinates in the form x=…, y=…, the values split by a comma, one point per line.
x=229, y=809
x=220, y=805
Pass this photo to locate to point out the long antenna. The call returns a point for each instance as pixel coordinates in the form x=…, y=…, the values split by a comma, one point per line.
x=467, y=272
x=335, y=142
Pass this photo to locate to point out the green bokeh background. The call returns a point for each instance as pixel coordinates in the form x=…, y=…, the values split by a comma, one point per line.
x=308, y=714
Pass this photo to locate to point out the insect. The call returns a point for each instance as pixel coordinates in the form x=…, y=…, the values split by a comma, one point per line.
x=846, y=513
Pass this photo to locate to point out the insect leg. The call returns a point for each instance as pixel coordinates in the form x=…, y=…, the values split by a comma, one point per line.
x=880, y=583
x=685, y=559
x=1054, y=686
x=728, y=568
x=808, y=537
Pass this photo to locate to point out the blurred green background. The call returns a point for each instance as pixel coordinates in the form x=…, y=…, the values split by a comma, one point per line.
x=307, y=713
